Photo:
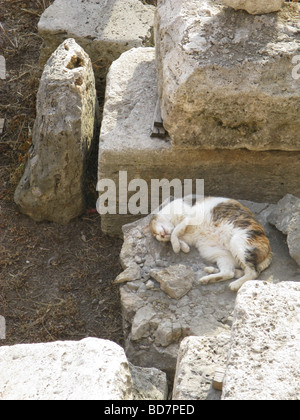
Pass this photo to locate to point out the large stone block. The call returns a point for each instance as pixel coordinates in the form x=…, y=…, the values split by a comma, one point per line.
x=126, y=145
x=264, y=356
x=105, y=29
x=52, y=187
x=65, y=370
x=227, y=78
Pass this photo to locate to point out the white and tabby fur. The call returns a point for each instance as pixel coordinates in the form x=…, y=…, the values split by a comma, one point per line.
x=224, y=232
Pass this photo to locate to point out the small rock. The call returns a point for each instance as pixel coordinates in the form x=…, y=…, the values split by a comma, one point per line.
x=255, y=7
x=148, y=383
x=132, y=273
x=150, y=285
x=176, y=280
x=164, y=332
x=141, y=322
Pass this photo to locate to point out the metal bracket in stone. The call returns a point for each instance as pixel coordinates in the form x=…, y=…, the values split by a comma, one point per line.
x=158, y=125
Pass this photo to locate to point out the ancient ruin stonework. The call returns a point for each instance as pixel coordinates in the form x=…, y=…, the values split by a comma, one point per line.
x=226, y=77
x=264, y=355
x=126, y=145
x=105, y=29
x=52, y=187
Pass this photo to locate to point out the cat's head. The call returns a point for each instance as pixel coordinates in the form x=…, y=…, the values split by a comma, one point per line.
x=161, y=228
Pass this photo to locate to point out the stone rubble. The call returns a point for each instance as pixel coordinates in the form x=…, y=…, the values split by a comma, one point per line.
x=52, y=187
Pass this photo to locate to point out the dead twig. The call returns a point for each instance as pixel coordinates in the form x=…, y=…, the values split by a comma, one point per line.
x=31, y=12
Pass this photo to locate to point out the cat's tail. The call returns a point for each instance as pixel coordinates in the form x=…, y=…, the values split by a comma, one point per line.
x=265, y=263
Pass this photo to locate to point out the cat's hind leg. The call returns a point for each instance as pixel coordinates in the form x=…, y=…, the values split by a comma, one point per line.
x=250, y=274
x=226, y=271
x=239, y=249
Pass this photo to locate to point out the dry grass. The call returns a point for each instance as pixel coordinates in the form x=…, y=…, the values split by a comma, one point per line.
x=55, y=281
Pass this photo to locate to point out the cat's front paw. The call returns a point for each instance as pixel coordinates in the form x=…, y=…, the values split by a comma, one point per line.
x=184, y=247
x=176, y=245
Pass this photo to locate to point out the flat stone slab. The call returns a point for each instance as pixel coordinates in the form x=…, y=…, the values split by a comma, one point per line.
x=104, y=29
x=154, y=323
x=264, y=356
x=126, y=145
x=90, y=369
x=226, y=77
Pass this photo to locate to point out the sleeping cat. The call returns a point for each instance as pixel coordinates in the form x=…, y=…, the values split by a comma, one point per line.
x=224, y=231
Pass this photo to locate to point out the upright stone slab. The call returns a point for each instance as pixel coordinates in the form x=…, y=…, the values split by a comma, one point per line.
x=264, y=357
x=227, y=78
x=126, y=146
x=91, y=369
x=105, y=29
x=52, y=187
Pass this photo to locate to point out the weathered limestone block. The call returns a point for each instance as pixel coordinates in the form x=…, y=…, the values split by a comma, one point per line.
x=105, y=29
x=226, y=78
x=52, y=185
x=255, y=7
x=286, y=217
x=154, y=324
x=125, y=144
x=88, y=369
x=198, y=359
x=264, y=356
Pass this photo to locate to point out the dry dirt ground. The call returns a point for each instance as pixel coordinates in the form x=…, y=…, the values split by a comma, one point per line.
x=55, y=281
